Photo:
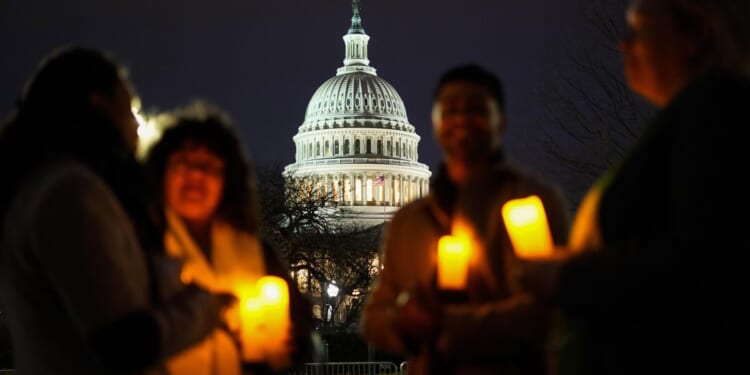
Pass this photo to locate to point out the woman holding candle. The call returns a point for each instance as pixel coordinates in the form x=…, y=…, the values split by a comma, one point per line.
x=426, y=304
x=208, y=188
x=660, y=285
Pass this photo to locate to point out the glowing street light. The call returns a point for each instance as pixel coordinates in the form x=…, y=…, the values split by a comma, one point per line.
x=333, y=290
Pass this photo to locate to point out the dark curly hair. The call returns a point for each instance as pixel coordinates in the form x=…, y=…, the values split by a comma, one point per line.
x=202, y=124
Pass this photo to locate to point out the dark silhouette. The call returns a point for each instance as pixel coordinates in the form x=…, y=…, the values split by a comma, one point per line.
x=83, y=274
x=658, y=279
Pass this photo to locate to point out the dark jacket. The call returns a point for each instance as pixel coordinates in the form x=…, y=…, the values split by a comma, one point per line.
x=663, y=294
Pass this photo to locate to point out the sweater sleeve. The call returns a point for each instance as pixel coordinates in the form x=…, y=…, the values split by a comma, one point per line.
x=85, y=244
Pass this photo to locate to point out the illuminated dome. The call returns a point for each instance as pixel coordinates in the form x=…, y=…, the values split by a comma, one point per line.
x=356, y=141
x=356, y=96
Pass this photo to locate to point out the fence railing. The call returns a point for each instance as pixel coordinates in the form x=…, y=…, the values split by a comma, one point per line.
x=332, y=368
x=350, y=368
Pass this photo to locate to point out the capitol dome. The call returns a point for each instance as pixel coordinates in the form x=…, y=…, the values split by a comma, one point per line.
x=353, y=95
x=356, y=142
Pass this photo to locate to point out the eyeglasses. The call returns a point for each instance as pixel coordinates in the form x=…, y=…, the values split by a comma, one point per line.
x=208, y=167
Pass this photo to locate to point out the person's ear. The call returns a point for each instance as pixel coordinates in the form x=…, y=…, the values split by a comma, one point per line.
x=436, y=122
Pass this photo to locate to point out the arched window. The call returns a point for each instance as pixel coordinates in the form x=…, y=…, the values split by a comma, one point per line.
x=317, y=148
x=309, y=150
x=356, y=146
x=336, y=147
x=388, y=150
x=380, y=147
x=369, y=146
x=398, y=152
x=403, y=149
x=346, y=147
x=327, y=151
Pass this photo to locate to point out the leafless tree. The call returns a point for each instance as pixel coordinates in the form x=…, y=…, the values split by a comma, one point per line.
x=591, y=117
x=320, y=245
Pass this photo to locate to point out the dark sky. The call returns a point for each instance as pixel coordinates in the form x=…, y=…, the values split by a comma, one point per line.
x=261, y=61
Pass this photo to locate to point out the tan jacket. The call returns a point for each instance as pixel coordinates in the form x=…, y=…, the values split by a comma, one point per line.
x=236, y=255
x=497, y=331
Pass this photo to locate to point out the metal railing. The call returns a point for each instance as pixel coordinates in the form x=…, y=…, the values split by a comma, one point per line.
x=331, y=368
x=349, y=368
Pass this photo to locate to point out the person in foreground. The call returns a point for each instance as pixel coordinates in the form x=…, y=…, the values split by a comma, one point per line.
x=487, y=328
x=657, y=280
x=208, y=187
x=83, y=274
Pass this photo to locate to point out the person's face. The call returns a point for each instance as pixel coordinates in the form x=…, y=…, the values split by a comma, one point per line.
x=655, y=53
x=194, y=183
x=117, y=107
x=467, y=121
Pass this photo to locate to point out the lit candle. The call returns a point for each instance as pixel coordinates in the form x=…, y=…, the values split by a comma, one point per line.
x=526, y=223
x=274, y=295
x=453, y=262
x=252, y=333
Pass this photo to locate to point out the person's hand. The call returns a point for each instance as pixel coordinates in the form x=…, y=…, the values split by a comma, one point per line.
x=540, y=277
x=416, y=317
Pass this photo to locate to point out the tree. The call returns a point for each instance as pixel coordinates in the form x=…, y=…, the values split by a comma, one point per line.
x=320, y=245
x=591, y=117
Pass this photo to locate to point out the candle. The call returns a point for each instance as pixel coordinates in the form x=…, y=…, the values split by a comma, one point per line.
x=251, y=325
x=453, y=262
x=527, y=227
x=265, y=321
x=274, y=296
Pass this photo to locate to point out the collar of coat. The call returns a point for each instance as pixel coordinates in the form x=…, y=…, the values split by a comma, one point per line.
x=444, y=193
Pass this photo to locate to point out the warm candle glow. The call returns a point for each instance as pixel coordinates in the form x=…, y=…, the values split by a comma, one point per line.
x=274, y=296
x=252, y=333
x=453, y=262
x=265, y=321
x=526, y=223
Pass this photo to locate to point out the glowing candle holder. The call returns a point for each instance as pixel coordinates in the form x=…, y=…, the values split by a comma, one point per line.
x=526, y=223
x=453, y=262
x=265, y=321
x=274, y=295
x=252, y=332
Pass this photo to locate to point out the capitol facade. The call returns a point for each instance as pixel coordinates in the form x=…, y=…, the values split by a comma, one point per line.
x=356, y=143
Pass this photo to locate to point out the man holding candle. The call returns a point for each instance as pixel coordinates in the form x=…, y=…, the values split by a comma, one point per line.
x=478, y=325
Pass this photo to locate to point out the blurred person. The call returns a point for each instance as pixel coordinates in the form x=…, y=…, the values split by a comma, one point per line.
x=208, y=187
x=656, y=283
x=491, y=329
x=84, y=279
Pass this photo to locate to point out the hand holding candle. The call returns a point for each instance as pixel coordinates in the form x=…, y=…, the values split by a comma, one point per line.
x=526, y=223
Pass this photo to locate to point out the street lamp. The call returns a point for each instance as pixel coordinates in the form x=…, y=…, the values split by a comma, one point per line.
x=333, y=292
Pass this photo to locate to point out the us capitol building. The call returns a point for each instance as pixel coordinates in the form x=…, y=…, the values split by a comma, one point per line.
x=356, y=142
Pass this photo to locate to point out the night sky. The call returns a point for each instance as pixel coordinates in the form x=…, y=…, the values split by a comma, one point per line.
x=261, y=61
